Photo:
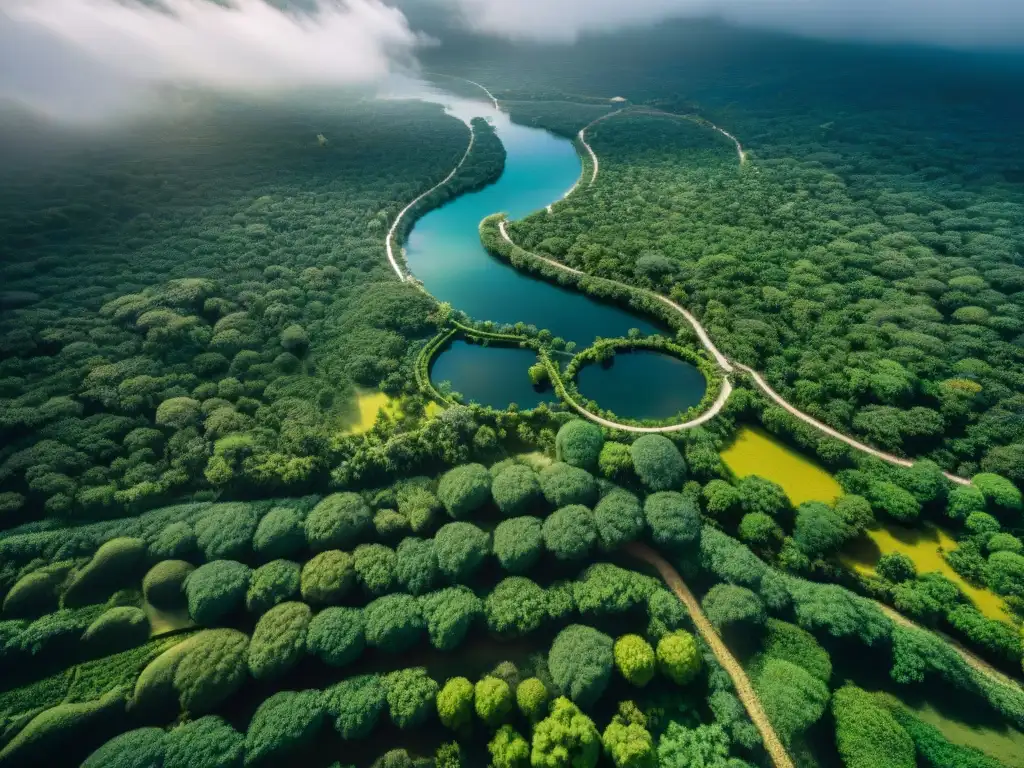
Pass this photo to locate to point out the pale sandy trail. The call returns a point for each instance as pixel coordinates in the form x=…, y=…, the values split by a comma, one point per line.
x=744, y=690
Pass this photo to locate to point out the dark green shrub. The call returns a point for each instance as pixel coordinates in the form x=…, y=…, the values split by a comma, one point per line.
x=215, y=590
x=605, y=589
x=36, y=593
x=116, y=630
x=792, y=697
x=226, y=532
x=410, y=695
x=564, y=485
x=791, y=643
x=338, y=521
x=516, y=491
x=896, y=502
x=285, y=722
x=867, y=735
x=570, y=532
x=164, y=584
x=619, y=519
x=279, y=640
x=295, y=339
x=515, y=607
x=658, y=463
x=1006, y=573
x=141, y=748
x=394, y=623
x=580, y=661
x=416, y=565
x=896, y=567
x=855, y=511
x=819, y=530
x=673, y=519
x=449, y=614
x=337, y=635
x=998, y=491
x=272, y=584
x=705, y=745
x=176, y=541
x=328, y=577
x=48, y=732
x=390, y=525
x=758, y=494
x=117, y=563
x=579, y=443
x=760, y=530
x=279, y=534
x=464, y=489
x=1004, y=542
x=963, y=500
x=728, y=605
x=208, y=742
x=461, y=549
x=518, y=543
x=375, y=568
x=665, y=613
x=355, y=704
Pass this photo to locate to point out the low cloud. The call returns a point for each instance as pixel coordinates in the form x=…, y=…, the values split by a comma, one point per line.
x=955, y=23
x=86, y=58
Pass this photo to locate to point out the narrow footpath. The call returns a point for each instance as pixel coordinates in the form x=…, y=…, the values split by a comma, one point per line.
x=744, y=689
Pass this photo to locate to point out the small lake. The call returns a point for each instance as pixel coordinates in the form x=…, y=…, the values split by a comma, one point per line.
x=628, y=386
x=494, y=376
x=444, y=251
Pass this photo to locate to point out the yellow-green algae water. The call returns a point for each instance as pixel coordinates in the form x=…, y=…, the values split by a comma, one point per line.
x=369, y=405
x=755, y=452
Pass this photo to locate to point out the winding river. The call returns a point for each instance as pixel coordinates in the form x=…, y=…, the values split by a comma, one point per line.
x=444, y=252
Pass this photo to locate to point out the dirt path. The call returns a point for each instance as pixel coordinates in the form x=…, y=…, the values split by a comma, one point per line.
x=744, y=689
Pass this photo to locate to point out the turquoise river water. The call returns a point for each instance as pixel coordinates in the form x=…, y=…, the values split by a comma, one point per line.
x=443, y=250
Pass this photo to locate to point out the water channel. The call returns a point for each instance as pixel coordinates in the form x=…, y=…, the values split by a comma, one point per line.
x=443, y=250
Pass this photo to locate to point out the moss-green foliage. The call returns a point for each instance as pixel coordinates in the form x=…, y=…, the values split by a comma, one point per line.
x=615, y=462
x=141, y=748
x=461, y=549
x=627, y=741
x=282, y=724
x=705, y=745
x=35, y=593
x=394, y=623
x=56, y=633
x=605, y=589
x=227, y=533
x=390, y=525
x=581, y=660
x=518, y=543
x=999, y=492
x=50, y=731
x=867, y=735
x=565, y=738
x=208, y=742
x=564, y=485
x=658, y=463
x=516, y=606
x=896, y=567
x=271, y=584
x=175, y=541
x=579, y=443
x=678, y=656
x=117, y=629
x=455, y=703
x=792, y=697
x=195, y=675
x=493, y=701
x=819, y=530
x=635, y=659
x=329, y=576
x=337, y=522
x=279, y=640
x=164, y=584
x=337, y=635
x=116, y=564
x=516, y=490
x=665, y=613
x=356, y=704
x=789, y=642
x=464, y=489
x=570, y=532
x=760, y=531
x=215, y=590
x=619, y=519
x=673, y=519
x=449, y=614
x=280, y=534
x=1006, y=573
x=375, y=568
x=933, y=747
x=729, y=605
x=1004, y=542
x=410, y=696
x=532, y=698
x=508, y=749
x=416, y=565
x=417, y=503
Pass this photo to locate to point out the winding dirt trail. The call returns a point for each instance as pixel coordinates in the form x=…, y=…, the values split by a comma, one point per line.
x=744, y=688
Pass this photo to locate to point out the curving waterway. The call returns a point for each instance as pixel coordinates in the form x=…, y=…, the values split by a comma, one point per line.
x=444, y=252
